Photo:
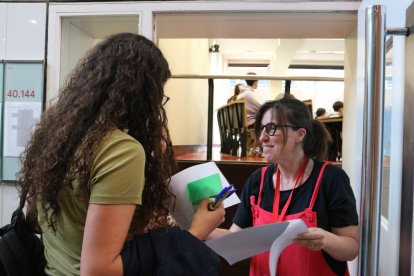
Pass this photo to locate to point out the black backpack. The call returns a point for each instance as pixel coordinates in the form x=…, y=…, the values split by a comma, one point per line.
x=21, y=250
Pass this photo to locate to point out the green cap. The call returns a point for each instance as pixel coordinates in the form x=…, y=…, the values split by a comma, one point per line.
x=204, y=188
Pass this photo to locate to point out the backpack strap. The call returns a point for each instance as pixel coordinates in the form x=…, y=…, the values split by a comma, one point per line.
x=23, y=197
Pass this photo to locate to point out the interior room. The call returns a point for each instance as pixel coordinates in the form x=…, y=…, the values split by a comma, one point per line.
x=271, y=44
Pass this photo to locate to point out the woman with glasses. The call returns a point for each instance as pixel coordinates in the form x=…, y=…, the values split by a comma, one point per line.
x=97, y=167
x=299, y=185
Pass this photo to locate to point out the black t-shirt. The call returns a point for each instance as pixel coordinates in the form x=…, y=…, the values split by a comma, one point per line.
x=335, y=205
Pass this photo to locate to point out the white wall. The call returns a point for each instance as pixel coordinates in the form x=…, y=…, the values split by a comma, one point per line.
x=25, y=34
x=75, y=43
x=350, y=116
x=3, y=25
x=59, y=12
x=348, y=129
x=190, y=97
x=22, y=34
x=3, y=20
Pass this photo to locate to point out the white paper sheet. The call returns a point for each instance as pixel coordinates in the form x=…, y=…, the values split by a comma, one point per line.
x=19, y=121
x=251, y=241
x=294, y=228
x=184, y=210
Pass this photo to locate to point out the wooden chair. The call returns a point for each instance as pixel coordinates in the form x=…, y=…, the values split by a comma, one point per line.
x=232, y=120
x=308, y=103
x=334, y=125
x=223, y=126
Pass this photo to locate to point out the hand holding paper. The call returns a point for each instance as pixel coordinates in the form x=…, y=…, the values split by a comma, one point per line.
x=205, y=221
x=189, y=194
x=225, y=193
x=251, y=241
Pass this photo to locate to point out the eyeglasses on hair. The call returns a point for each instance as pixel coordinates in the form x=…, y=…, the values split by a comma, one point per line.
x=165, y=99
x=272, y=127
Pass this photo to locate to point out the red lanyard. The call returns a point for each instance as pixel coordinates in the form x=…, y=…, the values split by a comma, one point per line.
x=276, y=200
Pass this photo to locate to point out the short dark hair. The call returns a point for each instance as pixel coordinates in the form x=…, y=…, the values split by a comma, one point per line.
x=337, y=105
x=250, y=82
x=320, y=111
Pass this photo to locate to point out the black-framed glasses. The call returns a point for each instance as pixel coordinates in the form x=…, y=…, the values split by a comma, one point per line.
x=165, y=99
x=272, y=127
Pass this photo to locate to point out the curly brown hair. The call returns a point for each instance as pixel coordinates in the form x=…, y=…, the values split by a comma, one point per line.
x=118, y=85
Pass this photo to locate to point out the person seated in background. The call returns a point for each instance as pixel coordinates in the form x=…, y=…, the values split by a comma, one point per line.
x=237, y=88
x=338, y=108
x=321, y=113
x=252, y=104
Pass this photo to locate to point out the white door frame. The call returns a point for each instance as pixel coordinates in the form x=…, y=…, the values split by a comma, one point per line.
x=146, y=12
x=390, y=227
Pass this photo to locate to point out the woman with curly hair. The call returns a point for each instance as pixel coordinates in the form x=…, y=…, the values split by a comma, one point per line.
x=98, y=165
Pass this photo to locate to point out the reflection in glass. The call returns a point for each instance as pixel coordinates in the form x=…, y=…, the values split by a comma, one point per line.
x=387, y=129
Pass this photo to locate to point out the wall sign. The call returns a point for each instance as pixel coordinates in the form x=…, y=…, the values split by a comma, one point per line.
x=23, y=98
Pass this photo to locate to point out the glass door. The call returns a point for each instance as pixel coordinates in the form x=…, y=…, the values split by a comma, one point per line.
x=386, y=248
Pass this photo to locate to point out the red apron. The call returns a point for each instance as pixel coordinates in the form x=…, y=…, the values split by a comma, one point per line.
x=294, y=259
